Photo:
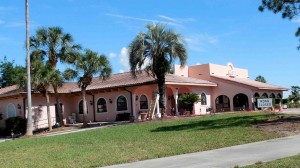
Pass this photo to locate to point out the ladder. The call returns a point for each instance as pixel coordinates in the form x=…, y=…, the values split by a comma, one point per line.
x=153, y=105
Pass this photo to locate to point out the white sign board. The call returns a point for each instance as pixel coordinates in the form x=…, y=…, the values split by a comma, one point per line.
x=264, y=103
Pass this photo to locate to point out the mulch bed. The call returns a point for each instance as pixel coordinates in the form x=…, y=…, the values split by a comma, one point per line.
x=284, y=125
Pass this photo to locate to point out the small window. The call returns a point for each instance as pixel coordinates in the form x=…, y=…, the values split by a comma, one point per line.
x=80, y=108
x=143, y=102
x=121, y=103
x=101, y=106
x=11, y=111
x=203, y=99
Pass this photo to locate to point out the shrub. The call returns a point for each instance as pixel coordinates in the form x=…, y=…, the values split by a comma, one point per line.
x=15, y=124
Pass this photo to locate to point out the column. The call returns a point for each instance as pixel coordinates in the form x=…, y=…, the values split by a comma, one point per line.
x=176, y=101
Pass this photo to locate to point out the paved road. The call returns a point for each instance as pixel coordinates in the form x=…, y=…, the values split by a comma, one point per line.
x=240, y=155
x=291, y=111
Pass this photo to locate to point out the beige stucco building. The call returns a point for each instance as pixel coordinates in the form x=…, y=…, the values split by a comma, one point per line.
x=222, y=88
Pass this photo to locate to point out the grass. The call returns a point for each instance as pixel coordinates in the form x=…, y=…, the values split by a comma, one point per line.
x=289, y=162
x=133, y=142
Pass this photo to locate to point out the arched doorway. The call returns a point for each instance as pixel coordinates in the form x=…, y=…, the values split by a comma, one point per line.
x=272, y=95
x=222, y=103
x=265, y=95
x=240, y=102
x=279, y=96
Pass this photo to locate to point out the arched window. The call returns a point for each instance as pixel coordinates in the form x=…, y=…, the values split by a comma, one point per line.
x=143, y=102
x=101, y=106
x=272, y=95
x=80, y=108
x=279, y=96
x=203, y=99
x=11, y=111
x=265, y=95
x=121, y=103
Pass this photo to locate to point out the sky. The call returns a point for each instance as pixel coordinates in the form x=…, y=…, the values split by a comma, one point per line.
x=215, y=31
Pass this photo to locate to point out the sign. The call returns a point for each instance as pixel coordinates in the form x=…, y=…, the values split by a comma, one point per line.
x=264, y=103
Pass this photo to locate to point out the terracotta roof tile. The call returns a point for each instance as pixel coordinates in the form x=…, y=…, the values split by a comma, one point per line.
x=253, y=83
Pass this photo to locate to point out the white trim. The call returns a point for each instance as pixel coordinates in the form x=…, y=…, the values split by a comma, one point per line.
x=116, y=103
x=14, y=110
x=140, y=102
x=96, y=110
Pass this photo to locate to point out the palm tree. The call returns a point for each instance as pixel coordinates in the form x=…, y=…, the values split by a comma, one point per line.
x=160, y=47
x=29, y=126
x=260, y=78
x=44, y=75
x=87, y=65
x=56, y=45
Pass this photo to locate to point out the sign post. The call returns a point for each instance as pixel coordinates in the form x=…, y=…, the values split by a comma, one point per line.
x=261, y=103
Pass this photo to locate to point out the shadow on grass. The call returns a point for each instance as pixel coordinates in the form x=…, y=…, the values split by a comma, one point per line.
x=216, y=123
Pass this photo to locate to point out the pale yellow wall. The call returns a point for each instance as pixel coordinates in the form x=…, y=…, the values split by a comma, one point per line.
x=181, y=71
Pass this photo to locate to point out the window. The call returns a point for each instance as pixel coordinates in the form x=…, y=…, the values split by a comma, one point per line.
x=143, y=102
x=203, y=99
x=101, y=106
x=11, y=111
x=80, y=108
x=121, y=103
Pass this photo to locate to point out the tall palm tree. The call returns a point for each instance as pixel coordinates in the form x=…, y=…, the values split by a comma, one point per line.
x=44, y=75
x=86, y=66
x=160, y=47
x=29, y=126
x=56, y=45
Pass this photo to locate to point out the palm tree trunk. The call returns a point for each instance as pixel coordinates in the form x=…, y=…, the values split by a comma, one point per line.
x=60, y=116
x=162, y=92
x=29, y=126
x=83, y=90
x=48, y=110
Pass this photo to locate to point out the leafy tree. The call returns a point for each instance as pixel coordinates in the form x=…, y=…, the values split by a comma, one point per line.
x=11, y=74
x=157, y=49
x=260, y=78
x=189, y=99
x=288, y=9
x=55, y=45
x=87, y=65
x=43, y=76
x=295, y=95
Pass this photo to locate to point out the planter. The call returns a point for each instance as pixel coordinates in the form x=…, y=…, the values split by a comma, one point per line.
x=143, y=116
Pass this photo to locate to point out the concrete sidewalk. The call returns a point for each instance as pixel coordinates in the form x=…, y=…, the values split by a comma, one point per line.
x=240, y=155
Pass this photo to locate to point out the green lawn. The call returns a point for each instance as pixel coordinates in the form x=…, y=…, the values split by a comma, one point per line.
x=128, y=143
x=289, y=162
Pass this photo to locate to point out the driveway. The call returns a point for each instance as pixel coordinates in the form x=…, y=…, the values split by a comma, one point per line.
x=291, y=111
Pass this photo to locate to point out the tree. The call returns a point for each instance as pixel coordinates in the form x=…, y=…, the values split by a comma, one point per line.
x=295, y=95
x=288, y=9
x=11, y=74
x=189, y=99
x=56, y=45
x=43, y=76
x=260, y=78
x=29, y=125
x=155, y=51
x=87, y=65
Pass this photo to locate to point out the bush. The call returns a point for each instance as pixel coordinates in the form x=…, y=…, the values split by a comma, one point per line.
x=15, y=124
x=294, y=105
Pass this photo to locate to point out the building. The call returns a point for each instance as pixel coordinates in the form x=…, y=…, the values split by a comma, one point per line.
x=223, y=88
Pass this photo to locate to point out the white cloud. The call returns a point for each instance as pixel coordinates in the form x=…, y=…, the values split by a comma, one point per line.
x=177, y=20
x=198, y=42
x=142, y=19
x=112, y=55
x=198, y=63
x=296, y=20
x=123, y=59
x=121, y=71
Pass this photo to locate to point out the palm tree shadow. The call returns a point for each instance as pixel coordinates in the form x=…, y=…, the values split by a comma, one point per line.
x=213, y=123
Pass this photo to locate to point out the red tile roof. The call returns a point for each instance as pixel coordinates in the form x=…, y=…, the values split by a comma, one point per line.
x=253, y=83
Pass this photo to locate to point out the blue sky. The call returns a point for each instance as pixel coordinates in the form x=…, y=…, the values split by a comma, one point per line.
x=216, y=31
